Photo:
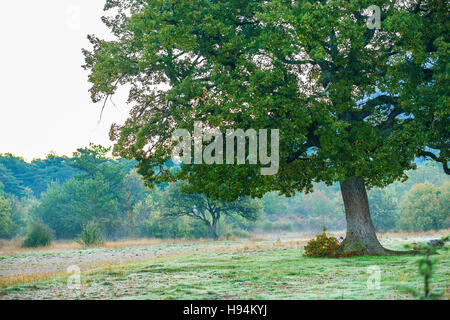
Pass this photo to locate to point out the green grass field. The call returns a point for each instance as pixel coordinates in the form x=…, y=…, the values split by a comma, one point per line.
x=250, y=272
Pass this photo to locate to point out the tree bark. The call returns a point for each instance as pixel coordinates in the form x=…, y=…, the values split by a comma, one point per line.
x=213, y=231
x=361, y=238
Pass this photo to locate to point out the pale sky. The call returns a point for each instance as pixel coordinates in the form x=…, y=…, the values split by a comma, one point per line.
x=44, y=100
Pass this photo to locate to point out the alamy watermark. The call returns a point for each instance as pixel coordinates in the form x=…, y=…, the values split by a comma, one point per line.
x=374, y=280
x=74, y=280
x=374, y=20
x=234, y=140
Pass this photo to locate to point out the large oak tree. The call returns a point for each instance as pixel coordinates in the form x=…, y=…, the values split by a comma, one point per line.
x=354, y=105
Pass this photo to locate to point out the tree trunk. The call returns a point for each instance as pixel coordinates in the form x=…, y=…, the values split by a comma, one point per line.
x=213, y=231
x=361, y=238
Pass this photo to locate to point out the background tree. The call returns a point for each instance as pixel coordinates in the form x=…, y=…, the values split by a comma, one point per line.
x=178, y=203
x=424, y=207
x=103, y=192
x=384, y=205
x=23, y=179
x=274, y=204
x=343, y=96
x=9, y=182
x=7, y=225
x=67, y=208
x=89, y=160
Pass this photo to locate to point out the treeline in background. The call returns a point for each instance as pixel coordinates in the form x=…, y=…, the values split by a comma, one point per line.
x=90, y=197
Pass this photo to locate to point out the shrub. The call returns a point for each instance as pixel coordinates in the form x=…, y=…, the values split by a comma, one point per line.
x=91, y=235
x=39, y=235
x=322, y=246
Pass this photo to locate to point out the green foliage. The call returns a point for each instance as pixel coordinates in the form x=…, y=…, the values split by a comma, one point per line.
x=66, y=208
x=383, y=208
x=91, y=235
x=113, y=194
x=2, y=190
x=350, y=103
x=322, y=246
x=10, y=184
x=20, y=177
x=103, y=192
x=324, y=206
x=159, y=226
x=274, y=204
x=90, y=159
x=7, y=225
x=180, y=200
x=39, y=235
x=148, y=220
x=367, y=109
x=425, y=207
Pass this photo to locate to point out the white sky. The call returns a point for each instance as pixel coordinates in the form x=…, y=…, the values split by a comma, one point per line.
x=44, y=100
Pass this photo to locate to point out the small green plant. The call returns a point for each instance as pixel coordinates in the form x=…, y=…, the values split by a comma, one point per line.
x=39, y=235
x=91, y=235
x=322, y=246
x=426, y=265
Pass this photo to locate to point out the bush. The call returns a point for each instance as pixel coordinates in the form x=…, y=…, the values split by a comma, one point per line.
x=39, y=235
x=322, y=246
x=91, y=235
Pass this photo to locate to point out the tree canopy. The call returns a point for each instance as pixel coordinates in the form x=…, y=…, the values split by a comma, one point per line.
x=349, y=100
x=21, y=178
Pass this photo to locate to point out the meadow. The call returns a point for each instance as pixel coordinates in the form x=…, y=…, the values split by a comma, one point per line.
x=263, y=267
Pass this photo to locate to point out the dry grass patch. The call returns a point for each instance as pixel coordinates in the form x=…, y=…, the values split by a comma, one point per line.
x=436, y=233
x=31, y=278
x=14, y=246
x=8, y=247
